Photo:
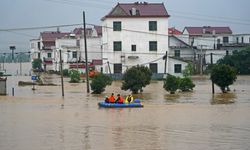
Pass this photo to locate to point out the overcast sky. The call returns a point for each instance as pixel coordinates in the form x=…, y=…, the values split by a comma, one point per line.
x=33, y=13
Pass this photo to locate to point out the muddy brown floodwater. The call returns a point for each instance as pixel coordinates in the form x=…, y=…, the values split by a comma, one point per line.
x=43, y=120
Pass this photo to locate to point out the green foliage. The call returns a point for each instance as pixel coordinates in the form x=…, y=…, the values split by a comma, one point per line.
x=239, y=60
x=171, y=84
x=99, y=82
x=186, y=84
x=66, y=72
x=74, y=76
x=223, y=76
x=37, y=64
x=135, y=78
x=188, y=71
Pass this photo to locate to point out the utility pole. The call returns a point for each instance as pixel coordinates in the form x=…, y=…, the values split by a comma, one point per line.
x=61, y=71
x=12, y=48
x=211, y=59
x=86, y=54
x=165, y=57
x=109, y=68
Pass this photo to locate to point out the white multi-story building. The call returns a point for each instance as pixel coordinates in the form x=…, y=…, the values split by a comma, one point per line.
x=71, y=45
x=135, y=34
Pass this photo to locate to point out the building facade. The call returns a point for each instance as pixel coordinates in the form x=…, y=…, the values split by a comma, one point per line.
x=135, y=34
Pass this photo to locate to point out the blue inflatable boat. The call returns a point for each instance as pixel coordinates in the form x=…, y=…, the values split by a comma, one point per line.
x=136, y=103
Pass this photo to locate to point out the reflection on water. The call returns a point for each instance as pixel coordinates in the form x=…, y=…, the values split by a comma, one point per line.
x=42, y=119
x=223, y=98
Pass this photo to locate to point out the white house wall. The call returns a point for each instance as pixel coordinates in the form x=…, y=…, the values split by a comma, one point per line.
x=171, y=64
x=138, y=35
x=93, y=48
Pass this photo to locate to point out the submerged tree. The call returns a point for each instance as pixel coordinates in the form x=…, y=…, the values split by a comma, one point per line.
x=37, y=64
x=135, y=78
x=99, y=82
x=223, y=76
x=186, y=84
x=74, y=76
x=171, y=84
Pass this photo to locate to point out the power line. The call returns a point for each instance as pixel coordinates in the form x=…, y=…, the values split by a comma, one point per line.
x=39, y=27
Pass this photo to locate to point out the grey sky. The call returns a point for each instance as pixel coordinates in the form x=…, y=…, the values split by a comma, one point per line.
x=32, y=13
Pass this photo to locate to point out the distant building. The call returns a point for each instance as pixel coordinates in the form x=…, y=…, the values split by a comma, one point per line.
x=208, y=37
x=72, y=46
x=135, y=34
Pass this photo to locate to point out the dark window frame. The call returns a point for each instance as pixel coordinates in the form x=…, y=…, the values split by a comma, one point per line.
x=117, y=26
x=49, y=55
x=117, y=46
x=133, y=48
x=177, y=53
x=152, y=25
x=153, y=67
x=153, y=45
x=118, y=68
x=74, y=54
x=177, y=68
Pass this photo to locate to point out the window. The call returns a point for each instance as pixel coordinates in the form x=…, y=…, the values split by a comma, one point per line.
x=117, y=45
x=133, y=47
x=152, y=25
x=117, y=26
x=152, y=45
x=117, y=68
x=74, y=54
x=153, y=67
x=49, y=55
x=177, y=68
x=38, y=45
x=225, y=39
x=77, y=42
x=39, y=55
x=237, y=40
x=242, y=39
x=177, y=53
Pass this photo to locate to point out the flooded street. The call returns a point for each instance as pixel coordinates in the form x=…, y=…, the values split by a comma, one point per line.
x=43, y=120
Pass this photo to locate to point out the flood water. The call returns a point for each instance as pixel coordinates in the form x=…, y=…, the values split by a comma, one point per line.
x=43, y=120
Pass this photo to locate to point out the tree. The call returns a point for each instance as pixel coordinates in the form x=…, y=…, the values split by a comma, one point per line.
x=188, y=71
x=99, y=82
x=37, y=64
x=74, y=76
x=223, y=76
x=186, y=84
x=135, y=78
x=240, y=60
x=171, y=84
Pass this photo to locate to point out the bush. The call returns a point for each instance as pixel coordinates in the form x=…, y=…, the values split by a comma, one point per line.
x=74, y=76
x=135, y=78
x=171, y=84
x=99, y=82
x=186, y=84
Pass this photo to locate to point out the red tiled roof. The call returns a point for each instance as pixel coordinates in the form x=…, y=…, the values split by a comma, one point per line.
x=143, y=10
x=174, y=31
x=52, y=36
x=208, y=30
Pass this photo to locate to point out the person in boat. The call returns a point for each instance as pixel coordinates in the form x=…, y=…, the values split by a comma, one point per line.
x=129, y=99
x=106, y=99
x=119, y=99
x=111, y=98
